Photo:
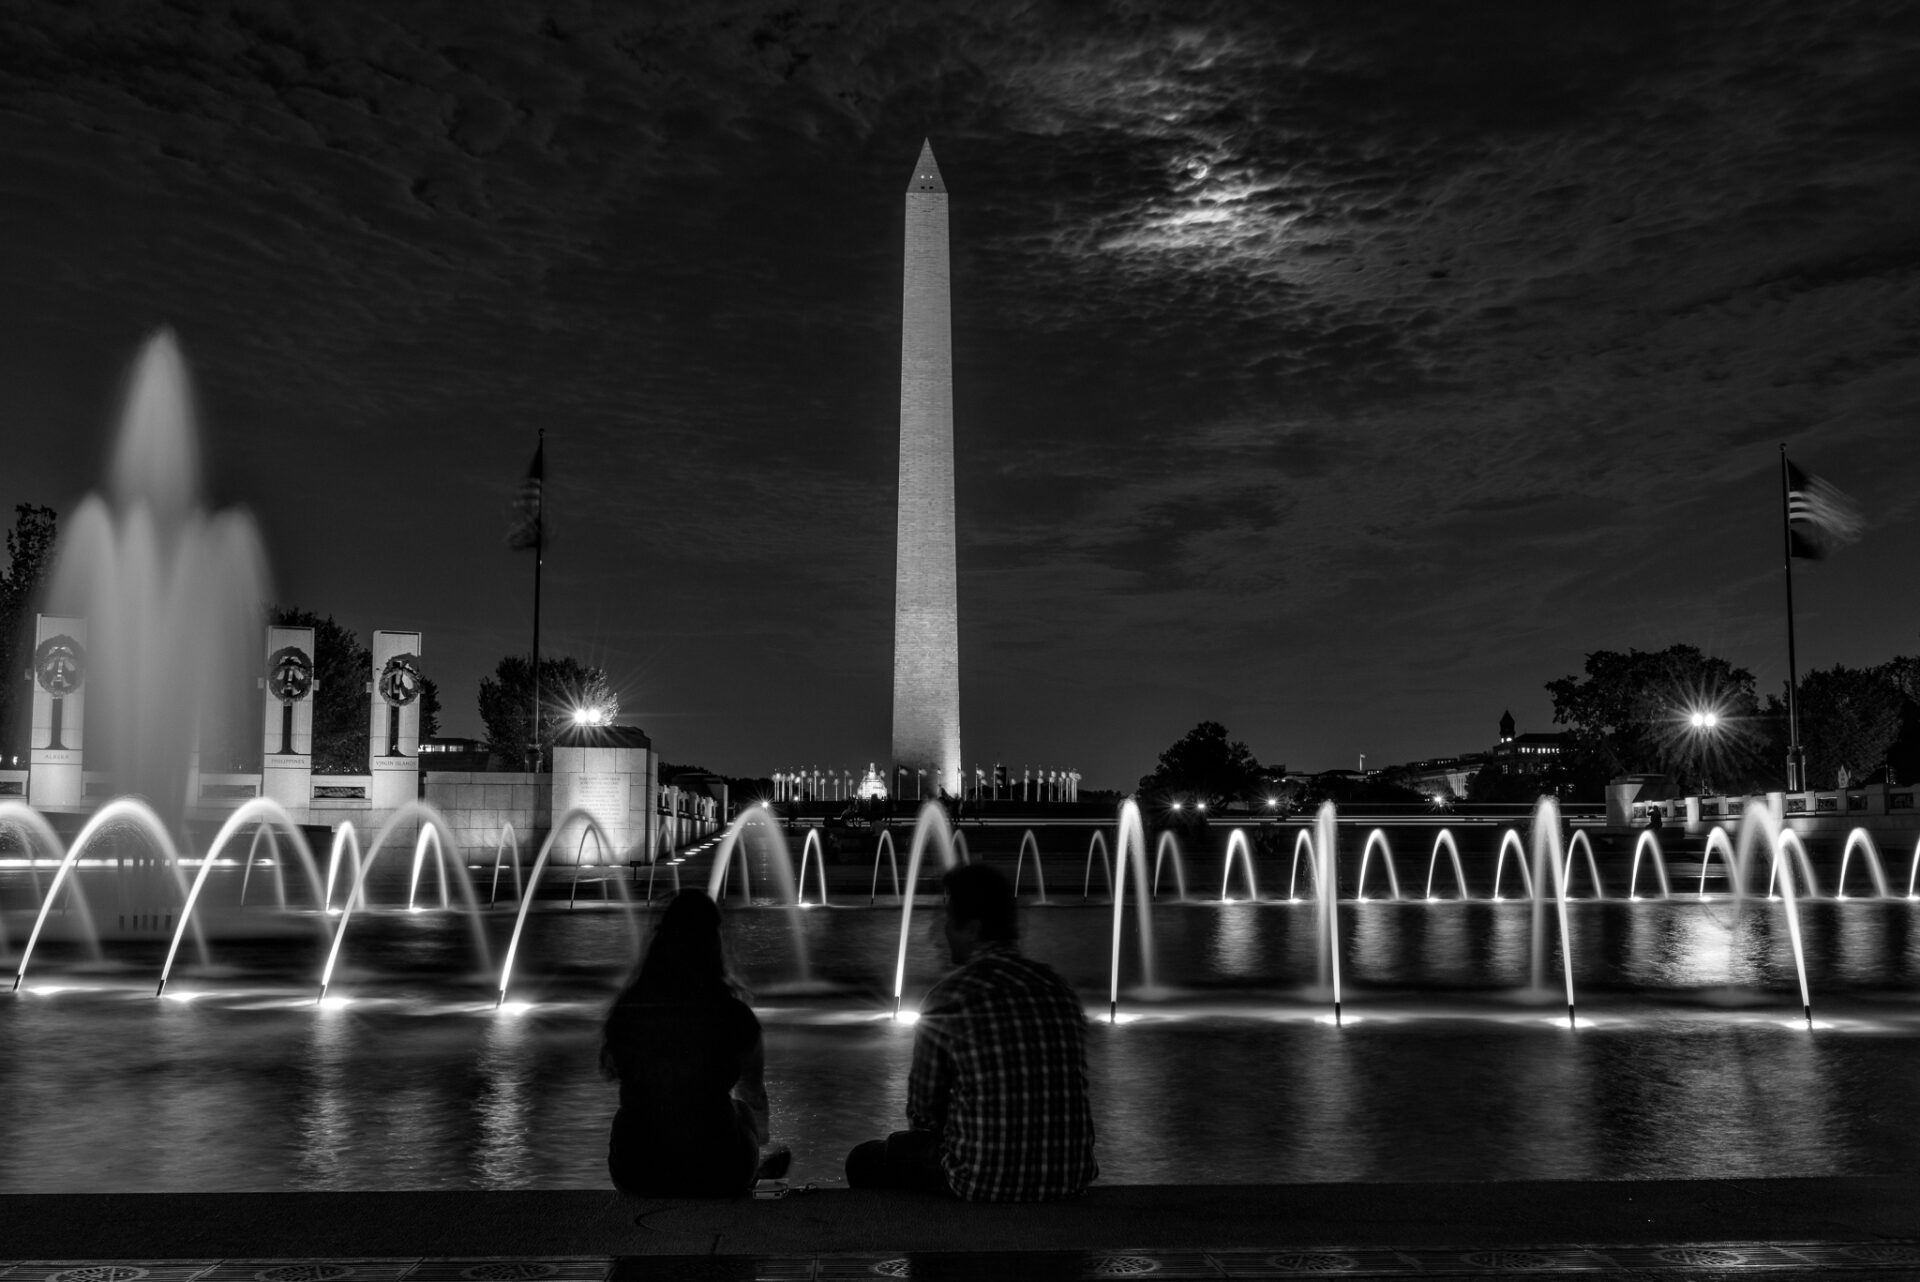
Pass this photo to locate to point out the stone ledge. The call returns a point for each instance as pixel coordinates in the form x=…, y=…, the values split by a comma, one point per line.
x=1533, y=1214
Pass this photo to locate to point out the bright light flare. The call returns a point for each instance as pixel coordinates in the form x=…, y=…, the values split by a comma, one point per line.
x=907, y=1017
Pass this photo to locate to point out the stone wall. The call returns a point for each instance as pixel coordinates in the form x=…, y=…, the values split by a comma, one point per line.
x=479, y=804
x=618, y=787
x=1875, y=807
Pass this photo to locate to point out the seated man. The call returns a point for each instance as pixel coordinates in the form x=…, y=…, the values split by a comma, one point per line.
x=997, y=1097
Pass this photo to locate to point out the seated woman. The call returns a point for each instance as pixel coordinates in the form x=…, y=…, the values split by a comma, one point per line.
x=686, y=1050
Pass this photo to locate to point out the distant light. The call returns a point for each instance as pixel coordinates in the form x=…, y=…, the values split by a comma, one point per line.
x=592, y=715
x=1272, y=801
x=1176, y=805
x=1199, y=805
x=1704, y=719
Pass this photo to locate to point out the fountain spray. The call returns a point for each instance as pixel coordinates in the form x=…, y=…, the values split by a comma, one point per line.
x=1326, y=832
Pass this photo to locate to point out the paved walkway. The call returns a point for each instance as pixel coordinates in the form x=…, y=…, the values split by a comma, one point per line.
x=1642, y=1229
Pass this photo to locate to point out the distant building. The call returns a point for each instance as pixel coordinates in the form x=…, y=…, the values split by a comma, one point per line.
x=447, y=753
x=1446, y=776
x=1527, y=754
x=1515, y=754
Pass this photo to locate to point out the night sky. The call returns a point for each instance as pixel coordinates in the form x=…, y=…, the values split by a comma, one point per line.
x=1342, y=372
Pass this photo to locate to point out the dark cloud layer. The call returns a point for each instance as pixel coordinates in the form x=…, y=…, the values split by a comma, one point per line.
x=1341, y=371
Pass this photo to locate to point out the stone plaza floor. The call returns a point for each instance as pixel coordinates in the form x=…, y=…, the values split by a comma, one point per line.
x=1640, y=1229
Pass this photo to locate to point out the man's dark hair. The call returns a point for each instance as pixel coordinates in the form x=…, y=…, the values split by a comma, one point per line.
x=976, y=892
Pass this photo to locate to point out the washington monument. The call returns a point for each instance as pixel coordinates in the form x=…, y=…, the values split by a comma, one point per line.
x=926, y=626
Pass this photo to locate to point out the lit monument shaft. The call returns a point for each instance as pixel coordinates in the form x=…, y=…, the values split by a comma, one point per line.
x=926, y=629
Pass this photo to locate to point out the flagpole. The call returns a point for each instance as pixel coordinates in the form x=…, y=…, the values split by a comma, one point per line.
x=539, y=558
x=1796, y=765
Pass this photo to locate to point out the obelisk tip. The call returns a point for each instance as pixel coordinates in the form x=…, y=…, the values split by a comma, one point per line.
x=926, y=173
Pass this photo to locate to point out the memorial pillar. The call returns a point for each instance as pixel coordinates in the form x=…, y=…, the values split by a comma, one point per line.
x=393, y=728
x=286, y=750
x=58, y=776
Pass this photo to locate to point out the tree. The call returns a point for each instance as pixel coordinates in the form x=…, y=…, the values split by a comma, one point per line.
x=1903, y=756
x=429, y=707
x=1495, y=784
x=1631, y=714
x=1849, y=717
x=30, y=545
x=565, y=684
x=1204, y=766
x=342, y=667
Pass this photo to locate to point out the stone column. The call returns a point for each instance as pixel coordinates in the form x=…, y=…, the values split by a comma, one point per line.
x=286, y=748
x=393, y=719
x=59, y=670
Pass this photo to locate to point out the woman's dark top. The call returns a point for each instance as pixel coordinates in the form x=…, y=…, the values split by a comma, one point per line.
x=679, y=1131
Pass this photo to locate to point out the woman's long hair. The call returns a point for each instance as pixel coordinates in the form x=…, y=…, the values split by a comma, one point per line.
x=685, y=961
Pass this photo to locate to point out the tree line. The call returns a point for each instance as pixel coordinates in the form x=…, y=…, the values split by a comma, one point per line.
x=1624, y=713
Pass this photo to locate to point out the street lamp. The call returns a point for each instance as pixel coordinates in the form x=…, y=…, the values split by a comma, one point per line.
x=1705, y=721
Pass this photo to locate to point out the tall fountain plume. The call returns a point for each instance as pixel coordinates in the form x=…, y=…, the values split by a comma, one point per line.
x=172, y=593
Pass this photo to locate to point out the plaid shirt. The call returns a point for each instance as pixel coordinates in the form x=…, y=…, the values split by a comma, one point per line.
x=1000, y=1074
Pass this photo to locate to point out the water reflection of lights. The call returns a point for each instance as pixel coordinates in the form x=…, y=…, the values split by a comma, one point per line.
x=504, y=1155
x=1235, y=947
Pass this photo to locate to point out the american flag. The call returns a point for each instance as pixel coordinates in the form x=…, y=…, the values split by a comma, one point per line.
x=524, y=531
x=1820, y=517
